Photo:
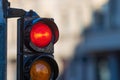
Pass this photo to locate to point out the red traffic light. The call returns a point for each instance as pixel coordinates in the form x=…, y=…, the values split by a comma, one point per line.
x=40, y=34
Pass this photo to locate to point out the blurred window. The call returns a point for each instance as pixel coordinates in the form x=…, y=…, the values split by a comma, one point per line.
x=103, y=69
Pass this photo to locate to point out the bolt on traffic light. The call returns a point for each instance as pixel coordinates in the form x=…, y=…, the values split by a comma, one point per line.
x=36, y=39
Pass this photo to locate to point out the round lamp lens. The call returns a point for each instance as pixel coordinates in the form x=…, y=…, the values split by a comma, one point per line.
x=40, y=34
x=40, y=70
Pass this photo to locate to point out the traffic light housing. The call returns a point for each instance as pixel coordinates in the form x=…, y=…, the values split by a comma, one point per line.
x=36, y=39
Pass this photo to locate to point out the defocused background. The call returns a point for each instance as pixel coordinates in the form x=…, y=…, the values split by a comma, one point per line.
x=84, y=27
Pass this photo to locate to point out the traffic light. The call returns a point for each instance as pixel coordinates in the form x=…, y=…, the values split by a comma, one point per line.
x=35, y=48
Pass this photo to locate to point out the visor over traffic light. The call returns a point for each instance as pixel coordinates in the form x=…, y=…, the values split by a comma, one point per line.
x=40, y=33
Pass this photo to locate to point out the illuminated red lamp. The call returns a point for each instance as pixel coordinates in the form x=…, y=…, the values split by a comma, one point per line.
x=40, y=34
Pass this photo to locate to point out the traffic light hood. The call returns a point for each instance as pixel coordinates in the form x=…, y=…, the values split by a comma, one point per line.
x=31, y=18
x=41, y=39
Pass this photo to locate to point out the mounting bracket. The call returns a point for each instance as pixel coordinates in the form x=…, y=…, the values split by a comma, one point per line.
x=13, y=12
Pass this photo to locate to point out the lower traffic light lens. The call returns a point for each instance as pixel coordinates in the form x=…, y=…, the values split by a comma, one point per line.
x=40, y=34
x=40, y=70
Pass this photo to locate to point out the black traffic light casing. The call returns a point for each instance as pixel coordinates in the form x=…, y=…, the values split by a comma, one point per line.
x=28, y=53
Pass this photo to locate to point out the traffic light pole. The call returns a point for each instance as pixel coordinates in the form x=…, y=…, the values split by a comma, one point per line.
x=5, y=12
x=3, y=40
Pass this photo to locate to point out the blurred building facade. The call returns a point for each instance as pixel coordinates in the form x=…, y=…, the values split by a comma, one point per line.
x=70, y=15
x=97, y=56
